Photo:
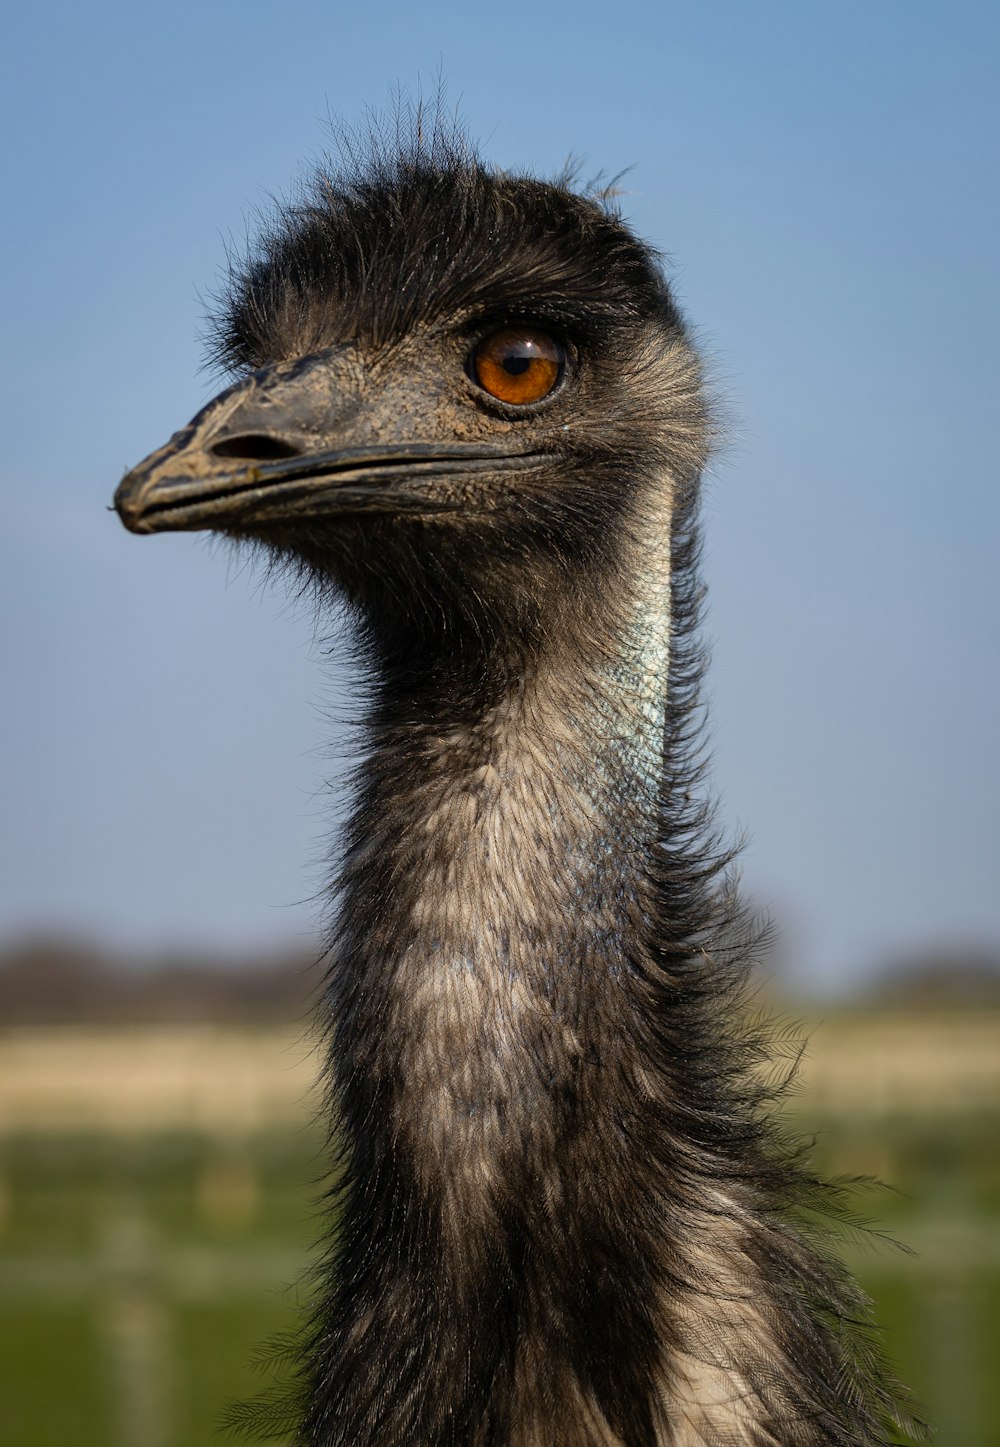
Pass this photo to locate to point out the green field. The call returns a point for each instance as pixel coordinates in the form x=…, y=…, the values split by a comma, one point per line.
x=139, y=1270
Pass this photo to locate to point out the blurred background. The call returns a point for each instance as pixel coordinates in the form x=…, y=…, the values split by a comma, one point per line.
x=821, y=182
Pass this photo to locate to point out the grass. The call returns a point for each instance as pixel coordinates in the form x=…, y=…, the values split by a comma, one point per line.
x=140, y=1270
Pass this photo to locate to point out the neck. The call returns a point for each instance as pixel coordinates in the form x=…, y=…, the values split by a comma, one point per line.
x=510, y=850
x=538, y=1227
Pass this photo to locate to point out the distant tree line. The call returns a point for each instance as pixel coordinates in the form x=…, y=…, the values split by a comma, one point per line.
x=52, y=980
x=62, y=981
x=939, y=977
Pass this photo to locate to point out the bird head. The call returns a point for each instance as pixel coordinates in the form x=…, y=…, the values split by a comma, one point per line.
x=453, y=388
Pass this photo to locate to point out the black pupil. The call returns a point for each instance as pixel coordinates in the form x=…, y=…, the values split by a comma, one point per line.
x=516, y=362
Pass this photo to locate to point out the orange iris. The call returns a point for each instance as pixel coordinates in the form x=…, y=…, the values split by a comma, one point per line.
x=518, y=364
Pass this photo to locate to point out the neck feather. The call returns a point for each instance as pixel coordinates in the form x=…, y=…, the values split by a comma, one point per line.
x=524, y=854
x=508, y=857
x=556, y=1225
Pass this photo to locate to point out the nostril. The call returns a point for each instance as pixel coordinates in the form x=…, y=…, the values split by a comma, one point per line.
x=255, y=447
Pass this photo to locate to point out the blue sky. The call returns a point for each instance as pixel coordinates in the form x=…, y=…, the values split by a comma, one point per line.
x=822, y=180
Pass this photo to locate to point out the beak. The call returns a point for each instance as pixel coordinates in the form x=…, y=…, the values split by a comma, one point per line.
x=283, y=446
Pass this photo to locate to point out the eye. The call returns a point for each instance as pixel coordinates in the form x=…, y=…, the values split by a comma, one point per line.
x=518, y=364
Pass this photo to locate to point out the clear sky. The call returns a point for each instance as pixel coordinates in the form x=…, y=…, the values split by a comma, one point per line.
x=823, y=180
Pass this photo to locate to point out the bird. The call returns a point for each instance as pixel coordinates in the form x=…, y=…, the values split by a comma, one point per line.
x=465, y=409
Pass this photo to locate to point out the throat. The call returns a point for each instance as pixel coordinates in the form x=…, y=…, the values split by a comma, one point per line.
x=512, y=883
x=491, y=1058
x=540, y=1222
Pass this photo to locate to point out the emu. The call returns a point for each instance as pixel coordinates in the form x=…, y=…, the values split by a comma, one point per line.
x=466, y=406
